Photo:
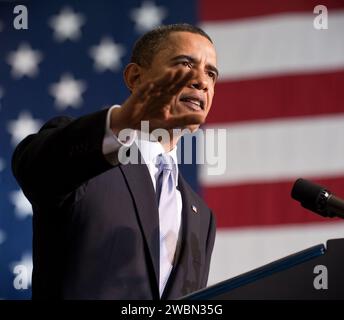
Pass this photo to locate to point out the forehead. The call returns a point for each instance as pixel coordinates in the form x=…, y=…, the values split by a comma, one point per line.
x=187, y=43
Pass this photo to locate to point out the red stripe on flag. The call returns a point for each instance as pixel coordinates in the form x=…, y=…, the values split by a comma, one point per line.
x=285, y=96
x=263, y=204
x=210, y=10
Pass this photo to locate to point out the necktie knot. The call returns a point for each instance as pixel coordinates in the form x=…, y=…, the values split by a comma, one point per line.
x=165, y=162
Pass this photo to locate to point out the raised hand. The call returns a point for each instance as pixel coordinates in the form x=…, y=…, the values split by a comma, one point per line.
x=153, y=101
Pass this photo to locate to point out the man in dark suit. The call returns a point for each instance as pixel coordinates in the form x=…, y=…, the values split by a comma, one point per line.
x=97, y=222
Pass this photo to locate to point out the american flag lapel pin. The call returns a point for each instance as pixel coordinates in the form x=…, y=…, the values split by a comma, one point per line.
x=194, y=208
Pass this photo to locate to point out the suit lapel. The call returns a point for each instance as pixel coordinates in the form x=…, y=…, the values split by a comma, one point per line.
x=142, y=190
x=140, y=184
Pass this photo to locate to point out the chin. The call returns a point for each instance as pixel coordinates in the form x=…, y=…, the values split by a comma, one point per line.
x=193, y=128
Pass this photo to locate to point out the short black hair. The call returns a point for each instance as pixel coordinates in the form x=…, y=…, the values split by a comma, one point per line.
x=147, y=46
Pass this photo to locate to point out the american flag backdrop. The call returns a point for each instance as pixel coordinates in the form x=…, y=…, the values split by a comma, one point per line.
x=280, y=95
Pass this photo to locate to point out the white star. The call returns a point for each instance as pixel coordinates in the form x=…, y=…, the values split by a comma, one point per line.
x=107, y=55
x=67, y=25
x=26, y=262
x=24, y=61
x=2, y=164
x=23, y=126
x=148, y=16
x=22, y=205
x=2, y=236
x=67, y=92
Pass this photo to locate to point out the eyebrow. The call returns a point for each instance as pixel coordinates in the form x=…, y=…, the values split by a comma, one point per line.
x=194, y=60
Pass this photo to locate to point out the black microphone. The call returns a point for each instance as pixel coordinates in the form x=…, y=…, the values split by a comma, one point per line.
x=317, y=199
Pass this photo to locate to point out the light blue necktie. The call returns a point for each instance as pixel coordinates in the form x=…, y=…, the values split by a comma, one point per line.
x=168, y=222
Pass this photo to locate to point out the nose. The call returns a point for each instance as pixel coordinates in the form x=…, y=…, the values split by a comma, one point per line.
x=199, y=81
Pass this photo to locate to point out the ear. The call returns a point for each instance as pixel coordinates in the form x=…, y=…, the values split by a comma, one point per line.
x=132, y=75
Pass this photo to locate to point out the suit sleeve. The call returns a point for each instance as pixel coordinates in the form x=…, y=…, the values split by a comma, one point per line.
x=209, y=247
x=61, y=156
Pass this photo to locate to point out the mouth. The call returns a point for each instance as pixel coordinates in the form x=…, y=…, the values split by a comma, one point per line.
x=192, y=102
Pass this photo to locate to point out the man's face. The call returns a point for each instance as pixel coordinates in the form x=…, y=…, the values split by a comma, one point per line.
x=185, y=50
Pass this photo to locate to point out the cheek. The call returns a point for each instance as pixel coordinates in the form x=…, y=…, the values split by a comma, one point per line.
x=210, y=99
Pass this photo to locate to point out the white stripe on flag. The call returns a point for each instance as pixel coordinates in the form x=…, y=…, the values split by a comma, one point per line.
x=282, y=43
x=240, y=250
x=274, y=150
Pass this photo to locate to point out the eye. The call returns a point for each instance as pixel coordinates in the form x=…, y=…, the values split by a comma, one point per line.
x=212, y=75
x=186, y=64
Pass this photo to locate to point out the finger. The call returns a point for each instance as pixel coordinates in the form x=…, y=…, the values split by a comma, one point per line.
x=157, y=94
x=179, y=82
x=173, y=80
x=142, y=93
x=155, y=88
x=164, y=80
x=161, y=97
x=170, y=83
x=141, y=90
x=169, y=86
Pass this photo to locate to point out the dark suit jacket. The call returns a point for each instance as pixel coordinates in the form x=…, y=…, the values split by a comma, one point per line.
x=95, y=225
